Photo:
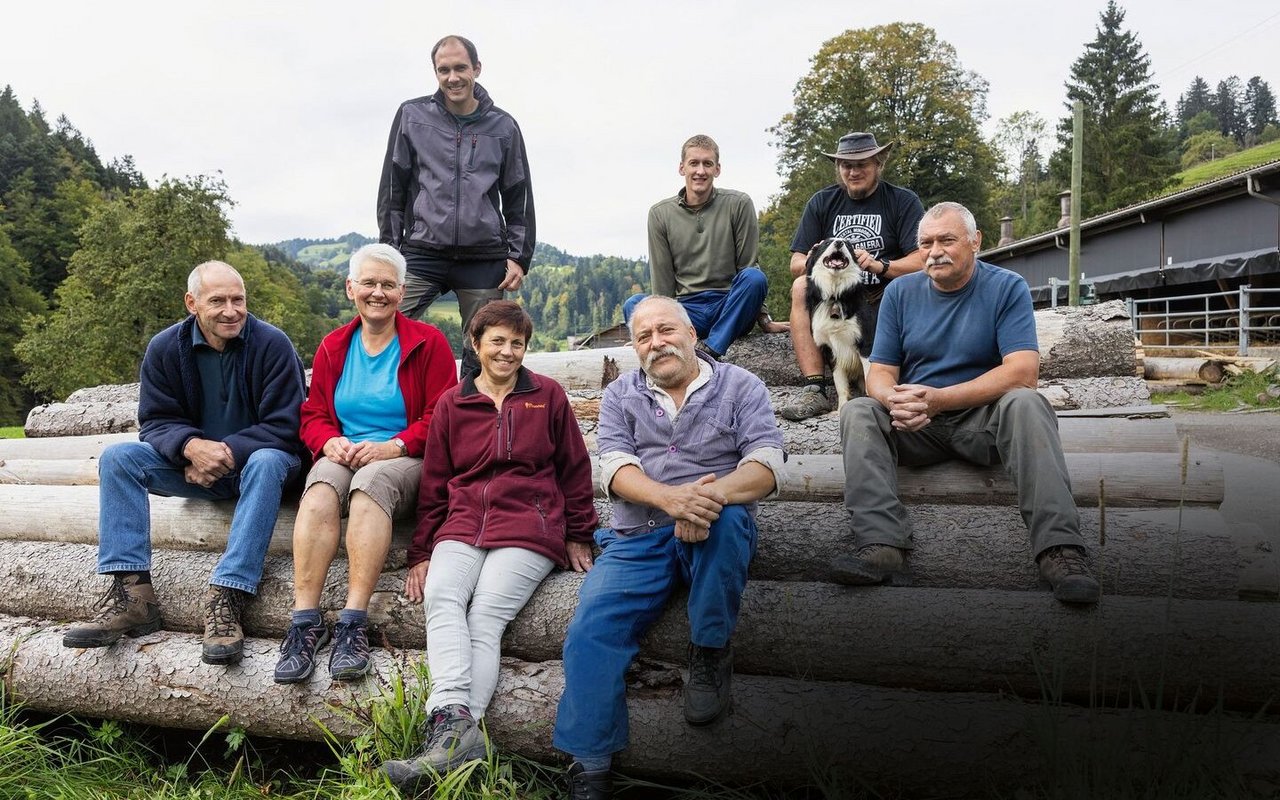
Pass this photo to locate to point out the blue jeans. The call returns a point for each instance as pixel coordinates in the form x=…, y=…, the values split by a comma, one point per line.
x=622, y=596
x=129, y=470
x=720, y=316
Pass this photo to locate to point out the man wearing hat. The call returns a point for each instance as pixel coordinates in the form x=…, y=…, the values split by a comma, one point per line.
x=880, y=221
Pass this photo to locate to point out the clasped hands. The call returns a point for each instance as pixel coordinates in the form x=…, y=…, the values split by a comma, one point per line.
x=911, y=406
x=694, y=506
x=210, y=461
x=355, y=455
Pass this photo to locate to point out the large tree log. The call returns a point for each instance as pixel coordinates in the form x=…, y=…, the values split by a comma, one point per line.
x=1131, y=480
x=818, y=435
x=779, y=729
x=957, y=546
x=936, y=639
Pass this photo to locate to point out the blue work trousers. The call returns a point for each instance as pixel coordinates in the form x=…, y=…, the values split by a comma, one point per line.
x=129, y=471
x=622, y=596
x=720, y=316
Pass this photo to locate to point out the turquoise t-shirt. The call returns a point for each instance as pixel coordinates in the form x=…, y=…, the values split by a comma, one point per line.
x=368, y=400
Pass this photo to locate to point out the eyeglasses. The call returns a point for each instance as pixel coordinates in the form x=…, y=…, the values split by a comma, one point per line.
x=386, y=286
x=856, y=166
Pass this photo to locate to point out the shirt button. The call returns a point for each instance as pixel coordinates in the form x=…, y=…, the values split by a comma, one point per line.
x=672, y=448
x=652, y=523
x=661, y=413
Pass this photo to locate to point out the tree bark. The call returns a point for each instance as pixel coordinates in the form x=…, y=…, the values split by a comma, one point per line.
x=1087, y=342
x=933, y=639
x=780, y=730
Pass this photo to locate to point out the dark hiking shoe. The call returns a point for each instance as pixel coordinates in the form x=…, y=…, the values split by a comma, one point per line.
x=1067, y=571
x=128, y=608
x=872, y=564
x=706, y=348
x=594, y=785
x=223, y=636
x=453, y=739
x=298, y=652
x=811, y=401
x=349, y=657
x=706, y=692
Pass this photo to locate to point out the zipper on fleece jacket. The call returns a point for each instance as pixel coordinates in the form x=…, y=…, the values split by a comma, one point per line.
x=457, y=187
x=493, y=472
x=471, y=163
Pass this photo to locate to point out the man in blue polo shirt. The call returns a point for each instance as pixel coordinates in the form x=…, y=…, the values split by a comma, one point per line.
x=953, y=374
x=218, y=414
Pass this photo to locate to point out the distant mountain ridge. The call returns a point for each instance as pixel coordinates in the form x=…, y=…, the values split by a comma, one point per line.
x=324, y=253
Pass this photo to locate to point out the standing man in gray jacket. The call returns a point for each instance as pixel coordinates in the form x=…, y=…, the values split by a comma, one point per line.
x=455, y=196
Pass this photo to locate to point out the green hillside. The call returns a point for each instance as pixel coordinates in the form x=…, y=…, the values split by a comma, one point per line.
x=1226, y=165
x=324, y=253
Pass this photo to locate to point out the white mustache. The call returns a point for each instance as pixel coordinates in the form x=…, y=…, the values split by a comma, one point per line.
x=668, y=350
x=933, y=262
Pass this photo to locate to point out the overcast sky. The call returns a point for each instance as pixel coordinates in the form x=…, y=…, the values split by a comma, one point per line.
x=291, y=101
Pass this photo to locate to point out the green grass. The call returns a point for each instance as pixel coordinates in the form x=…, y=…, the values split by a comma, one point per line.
x=14, y=432
x=1236, y=393
x=1226, y=165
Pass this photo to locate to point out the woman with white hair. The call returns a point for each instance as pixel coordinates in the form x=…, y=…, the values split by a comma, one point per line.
x=374, y=385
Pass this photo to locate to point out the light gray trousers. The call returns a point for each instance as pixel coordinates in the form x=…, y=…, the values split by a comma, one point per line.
x=470, y=596
x=1020, y=431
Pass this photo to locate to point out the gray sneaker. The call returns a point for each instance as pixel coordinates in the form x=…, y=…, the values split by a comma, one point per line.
x=453, y=739
x=1067, y=571
x=128, y=608
x=811, y=401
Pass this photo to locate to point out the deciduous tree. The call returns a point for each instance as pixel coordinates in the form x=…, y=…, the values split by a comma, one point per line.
x=902, y=83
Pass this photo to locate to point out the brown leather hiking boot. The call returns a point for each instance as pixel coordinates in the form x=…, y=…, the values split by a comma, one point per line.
x=223, y=636
x=872, y=564
x=1067, y=571
x=128, y=608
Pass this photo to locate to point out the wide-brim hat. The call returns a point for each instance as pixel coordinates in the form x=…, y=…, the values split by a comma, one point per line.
x=857, y=146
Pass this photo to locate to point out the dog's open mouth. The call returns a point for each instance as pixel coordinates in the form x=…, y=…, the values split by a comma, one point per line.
x=835, y=261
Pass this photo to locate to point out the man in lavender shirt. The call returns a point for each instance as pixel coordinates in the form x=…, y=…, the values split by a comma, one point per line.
x=687, y=447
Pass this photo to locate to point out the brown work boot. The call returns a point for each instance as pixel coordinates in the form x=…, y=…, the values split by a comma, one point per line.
x=811, y=401
x=129, y=608
x=872, y=564
x=223, y=636
x=1067, y=571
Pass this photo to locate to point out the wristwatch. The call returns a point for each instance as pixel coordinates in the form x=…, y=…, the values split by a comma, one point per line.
x=398, y=442
x=884, y=267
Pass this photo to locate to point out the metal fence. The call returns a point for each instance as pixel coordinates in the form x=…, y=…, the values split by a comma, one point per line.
x=1219, y=321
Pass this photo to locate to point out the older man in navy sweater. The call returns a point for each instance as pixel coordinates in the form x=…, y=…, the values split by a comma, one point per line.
x=218, y=411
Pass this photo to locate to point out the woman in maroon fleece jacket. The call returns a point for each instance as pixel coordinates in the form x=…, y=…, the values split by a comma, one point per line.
x=506, y=496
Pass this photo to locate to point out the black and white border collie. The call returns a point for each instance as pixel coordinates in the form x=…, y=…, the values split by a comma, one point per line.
x=837, y=305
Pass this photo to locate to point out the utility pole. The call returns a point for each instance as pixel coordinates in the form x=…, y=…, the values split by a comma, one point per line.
x=1073, y=251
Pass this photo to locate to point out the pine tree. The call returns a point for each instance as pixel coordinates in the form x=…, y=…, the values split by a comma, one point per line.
x=1128, y=153
x=1259, y=105
x=1197, y=98
x=1228, y=106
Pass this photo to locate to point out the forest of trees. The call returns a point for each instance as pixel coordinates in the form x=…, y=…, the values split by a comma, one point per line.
x=93, y=258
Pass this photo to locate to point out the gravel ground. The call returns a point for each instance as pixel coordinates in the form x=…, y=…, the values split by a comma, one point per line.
x=1256, y=435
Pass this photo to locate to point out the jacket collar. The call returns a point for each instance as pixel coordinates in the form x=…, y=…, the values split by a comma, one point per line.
x=524, y=383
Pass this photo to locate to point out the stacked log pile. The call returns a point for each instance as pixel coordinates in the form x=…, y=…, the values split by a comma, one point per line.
x=954, y=685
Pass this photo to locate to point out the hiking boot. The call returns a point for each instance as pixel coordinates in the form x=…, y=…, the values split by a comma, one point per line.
x=298, y=652
x=128, y=608
x=349, y=657
x=453, y=739
x=594, y=785
x=811, y=401
x=223, y=637
x=706, y=348
x=706, y=692
x=1067, y=571
x=872, y=564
